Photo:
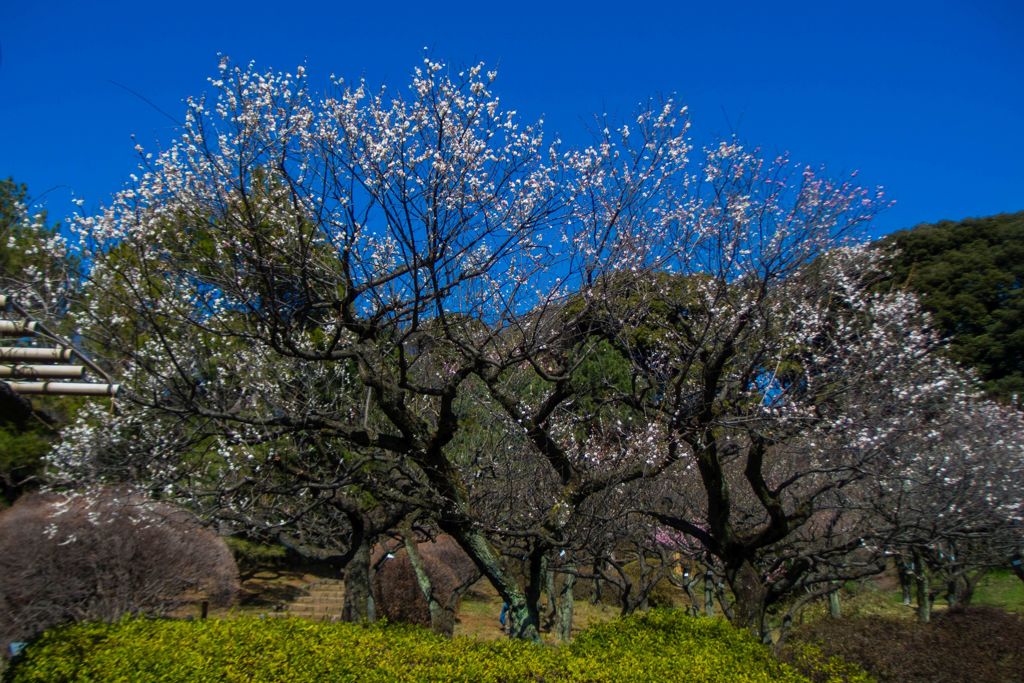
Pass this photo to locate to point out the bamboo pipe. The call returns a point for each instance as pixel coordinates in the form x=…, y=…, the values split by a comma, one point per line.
x=64, y=388
x=50, y=371
x=33, y=353
x=17, y=328
x=60, y=340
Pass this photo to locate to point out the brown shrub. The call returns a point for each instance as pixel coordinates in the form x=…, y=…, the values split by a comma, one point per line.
x=396, y=591
x=977, y=644
x=99, y=556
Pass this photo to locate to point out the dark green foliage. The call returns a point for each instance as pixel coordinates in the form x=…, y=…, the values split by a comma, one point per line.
x=968, y=275
x=658, y=645
x=978, y=644
x=252, y=557
x=22, y=447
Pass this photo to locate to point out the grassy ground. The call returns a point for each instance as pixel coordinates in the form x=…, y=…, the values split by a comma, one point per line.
x=478, y=615
x=1001, y=589
x=263, y=592
x=881, y=597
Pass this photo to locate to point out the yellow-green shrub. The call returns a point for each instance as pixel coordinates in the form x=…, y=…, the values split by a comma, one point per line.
x=668, y=645
x=250, y=649
x=655, y=645
x=823, y=668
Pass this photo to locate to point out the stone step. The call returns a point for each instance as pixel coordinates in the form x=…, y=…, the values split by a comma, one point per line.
x=316, y=596
x=315, y=605
x=322, y=601
x=313, y=599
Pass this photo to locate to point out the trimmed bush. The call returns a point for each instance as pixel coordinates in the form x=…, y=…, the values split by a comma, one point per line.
x=291, y=650
x=663, y=645
x=101, y=555
x=667, y=645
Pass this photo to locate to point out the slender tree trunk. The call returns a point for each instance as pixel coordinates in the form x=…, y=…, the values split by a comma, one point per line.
x=442, y=620
x=626, y=598
x=597, y=582
x=709, y=593
x=565, y=604
x=644, y=586
x=906, y=575
x=687, y=585
x=535, y=576
x=358, y=595
x=924, y=602
x=966, y=584
x=549, y=588
x=971, y=585
x=834, y=609
x=723, y=601
x=954, y=590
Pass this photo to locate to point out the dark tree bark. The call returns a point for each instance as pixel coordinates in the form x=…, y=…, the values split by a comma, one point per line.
x=923, y=588
x=359, y=604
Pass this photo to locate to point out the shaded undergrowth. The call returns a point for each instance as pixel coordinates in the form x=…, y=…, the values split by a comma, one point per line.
x=977, y=644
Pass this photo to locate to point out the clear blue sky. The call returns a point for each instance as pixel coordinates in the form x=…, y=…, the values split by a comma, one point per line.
x=925, y=98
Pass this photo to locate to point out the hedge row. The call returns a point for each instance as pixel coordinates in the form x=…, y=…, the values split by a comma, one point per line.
x=654, y=645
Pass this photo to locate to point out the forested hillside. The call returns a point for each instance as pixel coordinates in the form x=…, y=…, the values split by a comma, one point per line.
x=968, y=275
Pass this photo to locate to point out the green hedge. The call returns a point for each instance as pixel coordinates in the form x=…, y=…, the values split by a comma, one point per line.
x=654, y=645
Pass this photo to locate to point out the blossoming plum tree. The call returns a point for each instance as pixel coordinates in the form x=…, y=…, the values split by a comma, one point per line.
x=335, y=288
x=286, y=243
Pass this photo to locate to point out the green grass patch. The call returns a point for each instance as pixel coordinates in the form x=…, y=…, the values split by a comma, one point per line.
x=1003, y=589
x=998, y=588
